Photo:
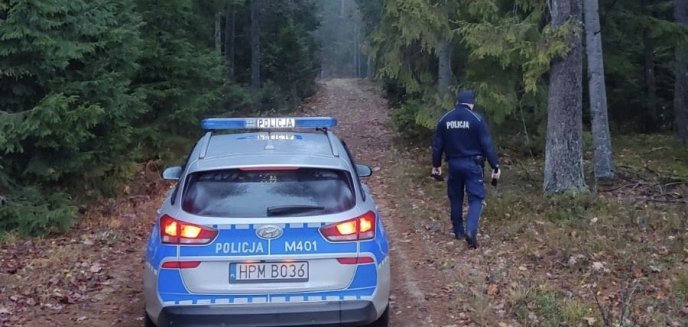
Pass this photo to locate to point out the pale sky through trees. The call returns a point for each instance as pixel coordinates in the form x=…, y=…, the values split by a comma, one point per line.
x=340, y=36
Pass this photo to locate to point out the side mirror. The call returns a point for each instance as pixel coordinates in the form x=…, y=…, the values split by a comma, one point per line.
x=363, y=170
x=172, y=173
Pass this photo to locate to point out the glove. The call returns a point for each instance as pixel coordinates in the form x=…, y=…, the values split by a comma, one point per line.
x=437, y=174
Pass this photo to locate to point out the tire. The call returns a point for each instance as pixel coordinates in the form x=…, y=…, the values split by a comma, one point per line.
x=383, y=321
x=147, y=322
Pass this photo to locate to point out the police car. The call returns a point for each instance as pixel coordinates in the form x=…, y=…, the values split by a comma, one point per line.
x=268, y=225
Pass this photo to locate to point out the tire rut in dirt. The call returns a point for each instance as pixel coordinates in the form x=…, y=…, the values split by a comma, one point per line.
x=364, y=124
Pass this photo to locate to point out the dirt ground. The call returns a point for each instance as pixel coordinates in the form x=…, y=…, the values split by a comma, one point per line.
x=518, y=277
x=92, y=276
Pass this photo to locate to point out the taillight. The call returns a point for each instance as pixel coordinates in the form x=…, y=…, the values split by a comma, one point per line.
x=359, y=228
x=355, y=260
x=175, y=231
x=181, y=264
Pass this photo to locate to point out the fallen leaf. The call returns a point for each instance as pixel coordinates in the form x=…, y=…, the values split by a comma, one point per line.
x=661, y=295
x=522, y=268
x=96, y=268
x=597, y=266
x=492, y=289
x=590, y=320
x=4, y=311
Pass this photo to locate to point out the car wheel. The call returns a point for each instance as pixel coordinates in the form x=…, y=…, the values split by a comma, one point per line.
x=383, y=321
x=147, y=322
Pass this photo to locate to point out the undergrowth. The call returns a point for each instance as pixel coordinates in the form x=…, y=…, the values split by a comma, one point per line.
x=613, y=258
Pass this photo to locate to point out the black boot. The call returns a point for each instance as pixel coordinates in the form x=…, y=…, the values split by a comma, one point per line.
x=472, y=241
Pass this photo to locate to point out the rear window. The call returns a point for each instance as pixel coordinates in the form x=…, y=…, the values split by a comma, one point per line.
x=268, y=193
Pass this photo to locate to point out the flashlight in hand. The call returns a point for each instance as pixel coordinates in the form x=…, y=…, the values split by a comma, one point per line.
x=437, y=174
x=495, y=177
x=437, y=177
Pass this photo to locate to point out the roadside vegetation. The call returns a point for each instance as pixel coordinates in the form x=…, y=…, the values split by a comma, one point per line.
x=617, y=257
x=90, y=90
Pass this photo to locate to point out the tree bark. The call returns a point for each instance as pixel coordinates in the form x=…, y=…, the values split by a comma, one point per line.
x=601, y=138
x=370, y=68
x=564, y=149
x=444, y=71
x=650, y=123
x=255, y=45
x=357, y=66
x=681, y=84
x=230, y=28
x=218, y=32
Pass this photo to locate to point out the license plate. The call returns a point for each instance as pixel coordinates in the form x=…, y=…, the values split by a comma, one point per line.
x=260, y=272
x=275, y=123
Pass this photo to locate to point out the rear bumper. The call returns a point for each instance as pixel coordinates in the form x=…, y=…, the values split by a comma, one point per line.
x=340, y=313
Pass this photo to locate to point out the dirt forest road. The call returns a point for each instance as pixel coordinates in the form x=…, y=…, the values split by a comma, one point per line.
x=92, y=276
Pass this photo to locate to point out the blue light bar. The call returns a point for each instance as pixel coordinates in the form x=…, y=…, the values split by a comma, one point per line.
x=209, y=124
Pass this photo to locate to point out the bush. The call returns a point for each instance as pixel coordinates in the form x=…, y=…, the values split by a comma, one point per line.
x=405, y=121
x=31, y=212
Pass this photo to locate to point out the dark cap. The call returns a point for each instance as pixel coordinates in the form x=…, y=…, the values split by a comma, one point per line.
x=466, y=96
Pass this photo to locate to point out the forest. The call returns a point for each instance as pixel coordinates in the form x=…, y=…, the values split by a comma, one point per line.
x=586, y=102
x=89, y=89
x=92, y=88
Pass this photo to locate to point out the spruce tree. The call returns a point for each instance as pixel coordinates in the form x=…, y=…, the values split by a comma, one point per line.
x=66, y=103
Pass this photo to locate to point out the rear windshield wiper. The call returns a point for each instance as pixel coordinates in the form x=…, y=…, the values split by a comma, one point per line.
x=292, y=209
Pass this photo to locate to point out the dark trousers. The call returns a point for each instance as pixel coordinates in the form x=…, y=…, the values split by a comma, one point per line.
x=465, y=173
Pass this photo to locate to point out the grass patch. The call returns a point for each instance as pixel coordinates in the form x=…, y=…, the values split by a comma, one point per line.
x=657, y=153
x=543, y=306
x=575, y=243
x=8, y=237
x=680, y=286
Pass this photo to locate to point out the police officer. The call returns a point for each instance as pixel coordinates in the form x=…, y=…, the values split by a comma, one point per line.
x=462, y=135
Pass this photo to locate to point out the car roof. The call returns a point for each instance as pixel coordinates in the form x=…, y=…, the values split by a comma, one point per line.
x=304, y=149
x=224, y=145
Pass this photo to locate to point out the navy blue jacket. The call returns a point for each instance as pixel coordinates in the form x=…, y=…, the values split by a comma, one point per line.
x=462, y=133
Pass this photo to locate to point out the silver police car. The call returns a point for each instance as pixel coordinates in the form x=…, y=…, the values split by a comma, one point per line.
x=268, y=225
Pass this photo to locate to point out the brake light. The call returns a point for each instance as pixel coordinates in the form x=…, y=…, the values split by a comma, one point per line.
x=355, y=260
x=181, y=264
x=269, y=168
x=359, y=228
x=175, y=231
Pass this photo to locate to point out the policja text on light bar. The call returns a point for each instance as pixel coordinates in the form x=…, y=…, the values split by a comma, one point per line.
x=268, y=123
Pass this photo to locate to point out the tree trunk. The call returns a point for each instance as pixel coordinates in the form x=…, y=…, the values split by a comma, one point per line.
x=564, y=149
x=255, y=45
x=681, y=84
x=230, y=28
x=357, y=67
x=218, y=32
x=444, y=72
x=370, y=69
x=601, y=139
x=651, y=118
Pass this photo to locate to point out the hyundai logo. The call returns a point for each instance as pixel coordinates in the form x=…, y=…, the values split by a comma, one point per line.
x=269, y=232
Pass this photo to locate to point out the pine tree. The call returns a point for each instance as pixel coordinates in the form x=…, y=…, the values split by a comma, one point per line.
x=602, y=145
x=564, y=149
x=681, y=85
x=255, y=45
